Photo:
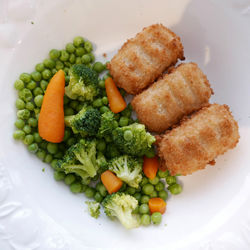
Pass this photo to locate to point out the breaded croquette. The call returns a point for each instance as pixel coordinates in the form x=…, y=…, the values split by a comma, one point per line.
x=144, y=58
x=184, y=90
x=198, y=140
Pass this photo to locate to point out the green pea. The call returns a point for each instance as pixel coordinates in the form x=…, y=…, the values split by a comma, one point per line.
x=37, y=91
x=27, y=129
x=25, y=77
x=39, y=67
x=170, y=180
x=20, y=104
x=36, y=76
x=37, y=137
x=163, y=194
x=59, y=176
x=101, y=188
x=88, y=46
x=43, y=145
x=72, y=58
x=105, y=100
x=53, y=71
x=131, y=190
x=53, y=164
x=98, y=197
x=86, y=59
x=156, y=218
x=33, y=148
x=145, y=199
x=48, y=158
x=162, y=174
x=78, y=41
x=64, y=56
x=69, y=179
x=52, y=148
x=175, y=188
x=80, y=51
x=144, y=181
x=70, y=48
x=71, y=141
x=144, y=209
x=25, y=95
x=128, y=135
x=145, y=220
x=19, y=84
x=31, y=85
x=19, y=135
x=101, y=146
x=46, y=74
x=38, y=100
x=101, y=84
x=154, y=181
x=123, y=121
x=104, y=109
x=23, y=114
x=69, y=111
x=159, y=186
x=54, y=54
x=32, y=122
x=59, y=65
x=30, y=106
x=98, y=67
x=49, y=63
x=90, y=192
x=41, y=154
x=28, y=139
x=78, y=60
x=19, y=123
x=154, y=194
x=43, y=85
x=97, y=103
x=148, y=189
x=76, y=187
x=138, y=196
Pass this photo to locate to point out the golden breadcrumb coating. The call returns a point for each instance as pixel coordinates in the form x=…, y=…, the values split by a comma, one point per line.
x=184, y=90
x=198, y=140
x=144, y=58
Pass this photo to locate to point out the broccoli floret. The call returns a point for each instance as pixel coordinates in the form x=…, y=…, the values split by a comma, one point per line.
x=93, y=208
x=83, y=83
x=86, y=122
x=133, y=139
x=128, y=169
x=121, y=206
x=81, y=160
x=108, y=124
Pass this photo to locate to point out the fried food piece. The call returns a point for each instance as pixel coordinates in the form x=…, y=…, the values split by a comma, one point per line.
x=198, y=140
x=179, y=93
x=144, y=58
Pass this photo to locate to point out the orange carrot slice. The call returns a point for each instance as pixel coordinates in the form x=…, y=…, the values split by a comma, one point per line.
x=116, y=101
x=51, y=118
x=150, y=166
x=157, y=205
x=111, y=182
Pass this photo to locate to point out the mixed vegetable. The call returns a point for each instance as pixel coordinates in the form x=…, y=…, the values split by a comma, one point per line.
x=71, y=115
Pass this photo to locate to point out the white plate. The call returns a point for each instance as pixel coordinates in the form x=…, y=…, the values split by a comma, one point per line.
x=212, y=212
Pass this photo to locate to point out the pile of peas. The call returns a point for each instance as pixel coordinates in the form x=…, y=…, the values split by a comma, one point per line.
x=31, y=88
